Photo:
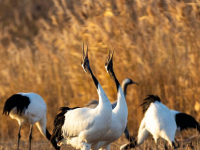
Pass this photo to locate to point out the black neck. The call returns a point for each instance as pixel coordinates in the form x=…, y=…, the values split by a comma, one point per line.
x=48, y=135
x=112, y=75
x=124, y=88
x=94, y=78
x=52, y=140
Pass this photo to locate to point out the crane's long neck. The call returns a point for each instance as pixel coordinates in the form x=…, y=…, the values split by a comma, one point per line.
x=112, y=75
x=94, y=78
x=103, y=99
x=53, y=141
x=124, y=88
x=121, y=106
x=43, y=129
x=48, y=135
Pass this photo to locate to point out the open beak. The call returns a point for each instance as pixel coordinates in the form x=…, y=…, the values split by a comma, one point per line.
x=109, y=59
x=85, y=54
x=85, y=58
x=110, y=56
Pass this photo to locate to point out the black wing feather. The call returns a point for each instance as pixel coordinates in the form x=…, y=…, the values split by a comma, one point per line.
x=147, y=101
x=58, y=123
x=185, y=121
x=16, y=100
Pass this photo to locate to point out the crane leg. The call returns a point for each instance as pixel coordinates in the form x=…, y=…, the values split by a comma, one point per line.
x=19, y=136
x=30, y=137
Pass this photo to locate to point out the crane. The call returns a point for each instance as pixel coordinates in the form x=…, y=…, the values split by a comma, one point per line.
x=80, y=127
x=126, y=82
x=30, y=108
x=183, y=121
x=119, y=113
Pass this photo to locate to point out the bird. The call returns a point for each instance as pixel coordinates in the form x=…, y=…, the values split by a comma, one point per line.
x=125, y=83
x=80, y=127
x=28, y=108
x=183, y=122
x=158, y=122
x=119, y=113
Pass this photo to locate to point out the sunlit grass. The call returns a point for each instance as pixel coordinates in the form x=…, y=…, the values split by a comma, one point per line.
x=156, y=44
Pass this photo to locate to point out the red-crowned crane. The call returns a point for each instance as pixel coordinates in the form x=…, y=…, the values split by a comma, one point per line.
x=80, y=127
x=119, y=113
x=125, y=83
x=182, y=122
x=30, y=108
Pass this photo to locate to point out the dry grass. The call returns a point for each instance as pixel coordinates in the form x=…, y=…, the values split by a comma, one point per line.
x=156, y=41
x=149, y=144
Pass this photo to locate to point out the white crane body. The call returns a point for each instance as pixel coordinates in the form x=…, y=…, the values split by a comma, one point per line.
x=28, y=108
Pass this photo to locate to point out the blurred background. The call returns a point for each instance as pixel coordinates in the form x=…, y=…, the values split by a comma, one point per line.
x=156, y=44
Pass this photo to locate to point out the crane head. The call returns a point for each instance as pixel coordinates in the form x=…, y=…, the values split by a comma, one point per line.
x=129, y=81
x=109, y=61
x=85, y=62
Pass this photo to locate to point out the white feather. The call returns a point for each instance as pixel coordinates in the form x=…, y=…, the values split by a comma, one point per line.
x=159, y=122
x=32, y=113
x=35, y=111
x=119, y=121
x=143, y=133
x=89, y=125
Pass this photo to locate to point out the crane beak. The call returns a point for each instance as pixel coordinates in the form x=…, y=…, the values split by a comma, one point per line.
x=135, y=83
x=85, y=61
x=109, y=59
x=110, y=55
x=83, y=51
x=85, y=54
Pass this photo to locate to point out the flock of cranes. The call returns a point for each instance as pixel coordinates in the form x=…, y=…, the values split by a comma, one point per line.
x=100, y=123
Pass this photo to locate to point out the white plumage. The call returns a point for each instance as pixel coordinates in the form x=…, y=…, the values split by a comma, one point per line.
x=28, y=108
x=36, y=111
x=119, y=113
x=119, y=121
x=89, y=125
x=94, y=103
x=159, y=121
x=125, y=83
x=80, y=127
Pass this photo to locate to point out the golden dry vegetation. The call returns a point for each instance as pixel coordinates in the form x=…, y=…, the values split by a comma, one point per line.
x=156, y=44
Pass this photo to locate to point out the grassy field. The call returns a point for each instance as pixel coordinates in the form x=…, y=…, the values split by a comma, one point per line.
x=191, y=143
x=156, y=44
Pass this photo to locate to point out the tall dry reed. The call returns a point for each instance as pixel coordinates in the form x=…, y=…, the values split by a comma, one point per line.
x=156, y=41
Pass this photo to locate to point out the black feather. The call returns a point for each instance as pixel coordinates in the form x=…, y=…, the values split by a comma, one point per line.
x=58, y=123
x=185, y=121
x=147, y=101
x=16, y=100
x=53, y=141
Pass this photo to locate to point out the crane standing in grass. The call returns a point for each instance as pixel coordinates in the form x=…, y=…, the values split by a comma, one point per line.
x=80, y=127
x=31, y=108
x=182, y=122
x=125, y=83
x=157, y=120
x=119, y=113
